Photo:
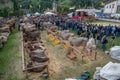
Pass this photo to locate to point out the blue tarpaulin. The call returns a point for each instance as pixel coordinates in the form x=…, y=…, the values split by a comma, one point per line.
x=100, y=14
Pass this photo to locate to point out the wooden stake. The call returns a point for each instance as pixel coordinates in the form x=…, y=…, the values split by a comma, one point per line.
x=23, y=62
x=95, y=55
x=82, y=57
x=76, y=50
x=31, y=68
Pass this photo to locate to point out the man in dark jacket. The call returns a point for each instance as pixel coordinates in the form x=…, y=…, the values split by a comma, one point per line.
x=104, y=42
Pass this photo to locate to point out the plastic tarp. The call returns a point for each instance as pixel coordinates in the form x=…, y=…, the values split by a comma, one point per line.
x=111, y=71
x=100, y=14
x=115, y=52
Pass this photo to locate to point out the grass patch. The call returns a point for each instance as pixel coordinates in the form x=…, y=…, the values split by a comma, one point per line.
x=105, y=22
x=75, y=33
x=10, y=58
x=117, y=42
x=7, y=52
x=108, y=45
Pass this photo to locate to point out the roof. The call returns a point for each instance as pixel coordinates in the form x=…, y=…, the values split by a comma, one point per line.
x=110, y=1
x=88, y=10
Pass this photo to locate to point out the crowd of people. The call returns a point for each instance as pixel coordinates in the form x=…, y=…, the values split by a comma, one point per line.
x=99, y=32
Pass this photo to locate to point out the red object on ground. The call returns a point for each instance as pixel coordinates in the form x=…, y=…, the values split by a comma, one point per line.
x=72, y=55
x=48, y=32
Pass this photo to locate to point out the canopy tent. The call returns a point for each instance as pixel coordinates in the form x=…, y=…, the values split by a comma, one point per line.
x=72, y=8
x=88, y=10
x=28, y=15
x=49, y=13
x=70, y=15
x=37, y=14
x=80, y=10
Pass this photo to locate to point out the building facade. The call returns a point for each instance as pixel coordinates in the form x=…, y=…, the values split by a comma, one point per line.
x=112, y=7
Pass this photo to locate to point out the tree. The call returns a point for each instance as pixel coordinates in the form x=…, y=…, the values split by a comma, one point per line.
x=4, y=11
x=45, y=4
x=15, y=5
x=4, y=1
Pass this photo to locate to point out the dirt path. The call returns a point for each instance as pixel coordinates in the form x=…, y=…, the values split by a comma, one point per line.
x=53, y=53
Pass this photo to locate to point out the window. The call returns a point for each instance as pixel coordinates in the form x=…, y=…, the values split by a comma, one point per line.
x=110, y=6
x=118, y=9
x=113, y=5
x=106, y=6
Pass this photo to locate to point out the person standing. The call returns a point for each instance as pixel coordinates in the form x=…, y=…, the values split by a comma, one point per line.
x=88, y=34
x=104, y=42
x=97, y=39
x=79, y=32
x=66, y=25
x=112, y=39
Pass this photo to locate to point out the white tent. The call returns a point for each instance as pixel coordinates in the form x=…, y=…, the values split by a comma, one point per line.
x=28, y=15
x=37, y=14
x=115, y=52
x=49, y=13
x=72, y=8
x=89, y=11
x=70, y=15
x=111, y=71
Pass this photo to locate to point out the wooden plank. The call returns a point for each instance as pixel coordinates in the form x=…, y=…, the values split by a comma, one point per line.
x=23, y=61
x=76, y=50
x=32, y=68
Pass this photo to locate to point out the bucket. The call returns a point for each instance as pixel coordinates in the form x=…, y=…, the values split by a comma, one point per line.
x=52, y=39
x=87, y=74
x=66, y=46
x=51, y=35
x=57, y=42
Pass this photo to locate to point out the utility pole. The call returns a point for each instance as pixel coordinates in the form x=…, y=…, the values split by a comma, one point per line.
x=117, y=2
x=58, y=4
x=54, y=6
